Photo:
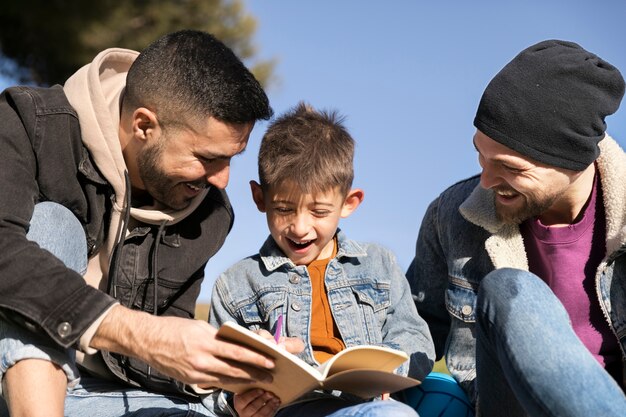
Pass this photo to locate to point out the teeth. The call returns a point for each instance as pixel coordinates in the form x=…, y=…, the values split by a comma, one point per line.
x=505, y=194
x=196, y=187
x=302, y=243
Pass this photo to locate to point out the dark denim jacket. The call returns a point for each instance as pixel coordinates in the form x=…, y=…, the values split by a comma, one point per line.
x=460, y=241
x=42, y=158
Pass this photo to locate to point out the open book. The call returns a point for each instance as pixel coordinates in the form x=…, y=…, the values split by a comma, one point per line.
x=365, y=371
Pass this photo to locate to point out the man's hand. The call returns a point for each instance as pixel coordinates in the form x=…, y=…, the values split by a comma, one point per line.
x=181, y=348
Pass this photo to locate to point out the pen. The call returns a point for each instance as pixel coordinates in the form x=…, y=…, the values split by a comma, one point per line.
x=278, y=330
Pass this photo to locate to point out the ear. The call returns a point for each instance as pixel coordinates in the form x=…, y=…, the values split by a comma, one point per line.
x=257, y=195
x=145, y=124
x=353, y=200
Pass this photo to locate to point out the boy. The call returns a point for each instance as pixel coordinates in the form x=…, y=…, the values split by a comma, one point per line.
x=332, y=292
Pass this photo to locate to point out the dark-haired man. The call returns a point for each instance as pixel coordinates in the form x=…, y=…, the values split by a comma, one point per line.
x=124, y=166
x=521, y=272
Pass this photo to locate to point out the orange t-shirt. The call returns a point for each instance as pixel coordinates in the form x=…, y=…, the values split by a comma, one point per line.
x=325, y=338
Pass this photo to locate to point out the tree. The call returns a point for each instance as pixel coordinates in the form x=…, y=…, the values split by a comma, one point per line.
x=47, y=41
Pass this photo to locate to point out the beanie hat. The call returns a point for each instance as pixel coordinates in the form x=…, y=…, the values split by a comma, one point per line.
x=549, y=104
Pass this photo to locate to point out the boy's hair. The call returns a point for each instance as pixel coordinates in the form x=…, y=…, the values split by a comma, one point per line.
x=310, y=148
x=188, y=75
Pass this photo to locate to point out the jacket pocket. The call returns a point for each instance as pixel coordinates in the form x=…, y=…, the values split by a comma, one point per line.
x=134, y=283
x=167, y=292
x=375, y=296
x=461, y=300
x=264, y=308
x=373, y=301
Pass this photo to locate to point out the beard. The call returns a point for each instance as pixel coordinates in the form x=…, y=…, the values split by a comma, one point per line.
x=532, y=206
x=158, y=184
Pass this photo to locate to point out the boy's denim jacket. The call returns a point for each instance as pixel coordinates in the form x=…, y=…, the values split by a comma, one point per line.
x=369, y=298
x=460, y=241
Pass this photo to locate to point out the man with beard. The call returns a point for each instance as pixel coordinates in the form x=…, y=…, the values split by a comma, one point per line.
x=520, y=272
x=112, y=201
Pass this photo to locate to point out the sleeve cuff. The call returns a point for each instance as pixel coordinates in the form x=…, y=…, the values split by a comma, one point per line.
x=201, y=391
x=85, y=339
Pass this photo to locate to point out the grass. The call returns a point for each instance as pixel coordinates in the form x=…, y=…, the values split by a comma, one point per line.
x=202, y=312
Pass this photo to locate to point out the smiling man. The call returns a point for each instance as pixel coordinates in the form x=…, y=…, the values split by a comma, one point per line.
x=521, y=272
x=112, y=202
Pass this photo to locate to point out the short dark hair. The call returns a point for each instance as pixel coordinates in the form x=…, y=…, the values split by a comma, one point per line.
x=189, y=75
x=310, y=148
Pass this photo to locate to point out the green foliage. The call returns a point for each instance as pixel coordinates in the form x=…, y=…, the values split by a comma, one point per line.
x=49, y=40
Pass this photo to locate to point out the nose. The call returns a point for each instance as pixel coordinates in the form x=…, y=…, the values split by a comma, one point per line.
x=300, y=225
x=218, y=177
x=489, y=177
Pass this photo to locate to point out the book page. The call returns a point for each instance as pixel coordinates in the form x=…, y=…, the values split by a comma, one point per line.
x=364, y=357
x=368, y=383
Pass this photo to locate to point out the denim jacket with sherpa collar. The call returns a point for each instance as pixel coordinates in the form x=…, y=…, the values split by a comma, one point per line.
x=460, y=241
x=368, y=294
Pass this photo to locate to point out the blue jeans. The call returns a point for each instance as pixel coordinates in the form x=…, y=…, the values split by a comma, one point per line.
x=337, y=407
x=529, y=360
x=95, y=397
x=56, y=229
x=98, y=398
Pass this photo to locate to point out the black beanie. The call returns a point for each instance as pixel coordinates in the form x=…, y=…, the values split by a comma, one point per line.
x=549, y=104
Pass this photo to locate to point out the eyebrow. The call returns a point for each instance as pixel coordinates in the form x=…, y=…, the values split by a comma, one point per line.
x=212, y=155
x=498, y=159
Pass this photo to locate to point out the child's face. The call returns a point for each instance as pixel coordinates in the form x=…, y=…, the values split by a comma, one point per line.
x=303, y=225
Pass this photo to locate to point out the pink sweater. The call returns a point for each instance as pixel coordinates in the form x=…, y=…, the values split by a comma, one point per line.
x=567, y=258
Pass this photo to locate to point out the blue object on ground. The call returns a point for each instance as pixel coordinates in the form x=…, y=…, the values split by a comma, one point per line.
x=439, y=395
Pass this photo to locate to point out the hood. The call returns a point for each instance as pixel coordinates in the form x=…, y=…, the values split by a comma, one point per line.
x=95, y=92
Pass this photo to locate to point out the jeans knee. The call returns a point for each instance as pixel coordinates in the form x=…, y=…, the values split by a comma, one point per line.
x=503, y=284
x=508, y=291
x=17, y=344
x=56, y=229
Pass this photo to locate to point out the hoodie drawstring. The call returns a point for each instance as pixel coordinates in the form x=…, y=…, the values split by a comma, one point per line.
x=154, y=265
x=117, y=252
x=119, y=239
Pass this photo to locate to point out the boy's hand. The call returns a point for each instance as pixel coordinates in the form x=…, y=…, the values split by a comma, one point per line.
x=256, y=402
x=290, y=344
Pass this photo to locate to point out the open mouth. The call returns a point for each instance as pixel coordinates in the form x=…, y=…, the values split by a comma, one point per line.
x=507, y=196
x=196, y=186
x=301, y=244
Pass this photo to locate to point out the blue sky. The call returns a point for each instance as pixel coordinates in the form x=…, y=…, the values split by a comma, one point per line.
x=408, y=76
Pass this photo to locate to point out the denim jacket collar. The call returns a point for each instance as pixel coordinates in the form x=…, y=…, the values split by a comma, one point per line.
x=273, y=257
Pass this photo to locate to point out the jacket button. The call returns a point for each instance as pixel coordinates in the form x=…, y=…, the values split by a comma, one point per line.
x=294, y=279
x=64, y=329
x=295, y=307
x=467, y=310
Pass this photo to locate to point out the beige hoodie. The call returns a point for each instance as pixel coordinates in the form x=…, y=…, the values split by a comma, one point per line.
x=95, y=92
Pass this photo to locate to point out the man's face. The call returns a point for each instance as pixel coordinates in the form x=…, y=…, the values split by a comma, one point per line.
x=523, y=188
x=303, y=225
x=175, y=167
